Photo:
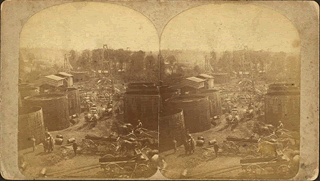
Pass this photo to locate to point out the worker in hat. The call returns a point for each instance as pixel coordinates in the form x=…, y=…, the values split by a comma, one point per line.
x=75, y=147
x=138, y=127
x=174, y=141
x=216, y=148
x=280, y=125
x=47, y=133
x=139, y=124
x=33, y=143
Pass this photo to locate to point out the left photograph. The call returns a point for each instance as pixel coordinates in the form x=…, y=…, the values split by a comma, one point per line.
x=88, y=93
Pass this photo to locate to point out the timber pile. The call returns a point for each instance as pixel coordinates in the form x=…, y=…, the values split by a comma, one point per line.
x=231, y=138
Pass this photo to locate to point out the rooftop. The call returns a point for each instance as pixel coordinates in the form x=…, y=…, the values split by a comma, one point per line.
x=79, y=72
x=54, y=77
x=205, y=76
x=219, y=73
x=65, y=74
x=195, y=79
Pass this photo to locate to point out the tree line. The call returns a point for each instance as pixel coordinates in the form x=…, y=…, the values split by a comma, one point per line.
x=125, y=64
x=273, y=66
x=144, y=66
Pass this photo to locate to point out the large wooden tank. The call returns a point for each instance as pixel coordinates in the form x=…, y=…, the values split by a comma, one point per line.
x=26, y=90
x=74, y=101
x=214, y=99
x=282, y=103
x=30, y=124
x=171, y=126
x=142, y=103
x=55, y=109
x=167, y=92
x=196, y=111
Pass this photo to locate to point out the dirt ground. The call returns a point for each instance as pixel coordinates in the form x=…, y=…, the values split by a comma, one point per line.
x=203, y=163
x=62, y=160
x=195, y=163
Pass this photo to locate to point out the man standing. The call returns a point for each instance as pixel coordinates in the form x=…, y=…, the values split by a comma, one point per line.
x=174, y=145
x=216, y=148
x=280, y=125
x=75, y=147
x=33, y=142
x=139, y=124
x=138, y=127
x=47, y=133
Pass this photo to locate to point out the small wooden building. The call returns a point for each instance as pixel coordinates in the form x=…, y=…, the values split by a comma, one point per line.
x=51, y=83
x=68, y=77
x=209, y=80
x=192, y=85
x=221, y=78
x=80, y=76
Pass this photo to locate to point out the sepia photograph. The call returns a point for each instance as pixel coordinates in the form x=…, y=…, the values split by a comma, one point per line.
x=86, y=110
x=159, y=90
x=237, y=111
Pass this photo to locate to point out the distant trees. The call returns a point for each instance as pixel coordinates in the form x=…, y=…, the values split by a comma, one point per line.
x=84, y=58
x=175, y=65
x=150, y=61
x=96, y=58
x=225, y=62
x=137, y=59
x=213, y=58
x=121, y=57
x=162, y=68
x=73, y=58
x=172, y=61
x=197, y=69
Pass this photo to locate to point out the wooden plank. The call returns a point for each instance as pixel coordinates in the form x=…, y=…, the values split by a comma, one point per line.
x=255, y=160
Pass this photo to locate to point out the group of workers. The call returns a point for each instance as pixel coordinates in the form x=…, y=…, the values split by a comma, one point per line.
x=189, y=138
x=48, y=136
x=33, y=139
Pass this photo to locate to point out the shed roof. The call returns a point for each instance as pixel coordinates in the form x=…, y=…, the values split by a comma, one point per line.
x=54, y=77
x=195, y=79
x=52, y=80
x=206, y=76
x=65, y=74
x=219, y=73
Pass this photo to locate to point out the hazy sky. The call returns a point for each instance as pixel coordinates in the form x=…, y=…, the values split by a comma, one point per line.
x=229, y=27
x=75, y=26
x=220, y=27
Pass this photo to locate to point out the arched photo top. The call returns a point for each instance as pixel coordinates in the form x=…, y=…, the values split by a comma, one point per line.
x=230, y=26
x=89, y=25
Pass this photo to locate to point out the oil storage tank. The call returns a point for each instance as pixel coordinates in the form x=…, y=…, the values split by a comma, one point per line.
x=214, y=101
x=171, y=126
x=74, y=101
x=167, y=92
x=30, y=123
x=55, y=109
x=142, y=102
x=26, y=90
x=282, y=103
x=196, y=111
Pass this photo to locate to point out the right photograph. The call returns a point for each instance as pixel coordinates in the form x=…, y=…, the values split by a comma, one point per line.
x=230, y=94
